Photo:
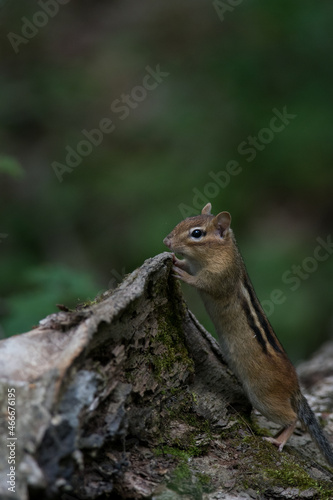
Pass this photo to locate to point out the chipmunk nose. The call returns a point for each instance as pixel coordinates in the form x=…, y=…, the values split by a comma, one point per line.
x=167, y=242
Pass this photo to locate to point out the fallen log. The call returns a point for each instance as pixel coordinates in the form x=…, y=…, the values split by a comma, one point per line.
x=129, y=397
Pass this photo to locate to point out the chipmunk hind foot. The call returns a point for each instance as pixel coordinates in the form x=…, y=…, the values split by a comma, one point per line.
x=282, y=437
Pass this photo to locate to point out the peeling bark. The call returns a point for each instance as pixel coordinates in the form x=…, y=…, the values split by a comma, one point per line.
x=130, y=398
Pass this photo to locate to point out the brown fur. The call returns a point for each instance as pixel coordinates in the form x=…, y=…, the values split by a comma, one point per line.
x=212, y=263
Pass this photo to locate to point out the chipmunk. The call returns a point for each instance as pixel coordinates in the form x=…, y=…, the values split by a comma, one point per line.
x=213, y=264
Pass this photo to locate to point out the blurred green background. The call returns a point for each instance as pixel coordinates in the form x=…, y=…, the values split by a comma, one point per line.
x=68, y=233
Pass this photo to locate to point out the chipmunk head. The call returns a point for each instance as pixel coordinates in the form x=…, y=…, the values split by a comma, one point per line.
x=202, y=239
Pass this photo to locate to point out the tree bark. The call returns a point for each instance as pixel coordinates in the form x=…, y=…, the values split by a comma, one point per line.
x=129, y=397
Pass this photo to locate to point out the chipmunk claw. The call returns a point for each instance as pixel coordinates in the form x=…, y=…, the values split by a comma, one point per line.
x=177, y=272
x=179, y=263
x=282, y=437
x=182, y=275
x=274, y=442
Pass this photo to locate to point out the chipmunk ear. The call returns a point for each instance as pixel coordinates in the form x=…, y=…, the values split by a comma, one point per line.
x=206, y=209
x=223, y=221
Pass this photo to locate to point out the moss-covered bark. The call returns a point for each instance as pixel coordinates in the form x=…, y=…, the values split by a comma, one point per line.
x=130, y=397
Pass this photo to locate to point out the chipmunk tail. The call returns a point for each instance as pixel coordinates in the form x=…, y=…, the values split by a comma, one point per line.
x=308, y=418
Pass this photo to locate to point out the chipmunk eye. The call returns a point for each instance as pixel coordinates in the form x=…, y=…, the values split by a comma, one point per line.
x=197, y=233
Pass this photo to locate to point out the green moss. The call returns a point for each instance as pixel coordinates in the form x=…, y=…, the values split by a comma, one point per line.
x=88, y=303
x=174, y=352
x=290, y=474
x=187, y=443
x=194, y=396
x=170, y=450
x=273, y=468
x=204, y=480
x=257, y=430
x=232, y=433
x=170, y=333
x=261, y=466
x=179, y=407
x=264, y=467
x=183, y=479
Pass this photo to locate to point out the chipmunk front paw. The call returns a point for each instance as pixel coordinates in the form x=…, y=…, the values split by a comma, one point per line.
x=182, y=264
x=182, y=275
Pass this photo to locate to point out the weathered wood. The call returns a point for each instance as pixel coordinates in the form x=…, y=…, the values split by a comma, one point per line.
x=130, y=397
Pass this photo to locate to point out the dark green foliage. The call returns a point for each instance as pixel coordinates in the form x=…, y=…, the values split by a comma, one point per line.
x=111, y=211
